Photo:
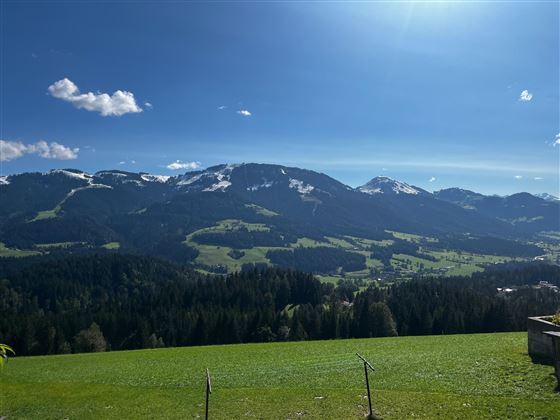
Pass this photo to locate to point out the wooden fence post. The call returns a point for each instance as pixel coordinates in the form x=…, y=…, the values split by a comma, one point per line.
x=208, y=390
x=366, y=366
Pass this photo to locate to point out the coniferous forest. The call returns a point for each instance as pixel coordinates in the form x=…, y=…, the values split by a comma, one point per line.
x=114, y=302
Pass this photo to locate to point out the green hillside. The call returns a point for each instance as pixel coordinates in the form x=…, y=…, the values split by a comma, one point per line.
x=456, y=376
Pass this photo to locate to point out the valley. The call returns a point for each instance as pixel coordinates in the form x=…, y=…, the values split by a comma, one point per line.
x=214, y=258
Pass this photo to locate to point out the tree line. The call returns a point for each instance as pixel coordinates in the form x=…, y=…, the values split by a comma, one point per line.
x=116, y=302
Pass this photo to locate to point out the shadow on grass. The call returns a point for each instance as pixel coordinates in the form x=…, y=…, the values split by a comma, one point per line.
x=541, y=360
x=546, y=361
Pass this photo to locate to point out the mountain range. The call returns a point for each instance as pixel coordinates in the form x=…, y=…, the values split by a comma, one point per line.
x=154, y=214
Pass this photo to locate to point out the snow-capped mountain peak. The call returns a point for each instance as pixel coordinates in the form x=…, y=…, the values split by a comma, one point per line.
x=547, y=197
x=386, y=185
x=72, y=173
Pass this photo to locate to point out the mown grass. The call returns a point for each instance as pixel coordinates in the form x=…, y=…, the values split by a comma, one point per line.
x=58, y=245
x=456, y=376
x=46, y=214
x=14, y=252
x=455, y=263
x=111, y=245
x=261, y=210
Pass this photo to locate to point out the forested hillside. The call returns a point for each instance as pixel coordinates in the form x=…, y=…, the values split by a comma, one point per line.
x=111, y=302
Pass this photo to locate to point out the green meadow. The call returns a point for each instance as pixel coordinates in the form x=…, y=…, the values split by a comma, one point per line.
x=455, y=376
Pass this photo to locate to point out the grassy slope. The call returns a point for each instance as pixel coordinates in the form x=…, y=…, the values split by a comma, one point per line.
x=461, y=376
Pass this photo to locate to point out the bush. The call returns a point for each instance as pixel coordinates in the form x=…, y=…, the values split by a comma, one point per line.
x=90, y=340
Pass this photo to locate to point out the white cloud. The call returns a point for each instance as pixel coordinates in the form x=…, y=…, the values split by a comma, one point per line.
x=222, y=107
x=525, y=96
x=119, y=103
x=174, y=166
x=537, y=178
x=432, y=179
x=244, y=112
x=122, y=162
x=556, y=140
x=133, y=162
x=10, y=150
x=518, y=176
x=148, y=105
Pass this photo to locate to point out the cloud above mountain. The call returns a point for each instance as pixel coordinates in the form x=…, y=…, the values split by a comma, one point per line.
x=525, y=96
x=119, y=103
x=174, y=166
x=10, y=150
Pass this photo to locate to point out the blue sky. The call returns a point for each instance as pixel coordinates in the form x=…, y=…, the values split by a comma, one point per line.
x=415, y=91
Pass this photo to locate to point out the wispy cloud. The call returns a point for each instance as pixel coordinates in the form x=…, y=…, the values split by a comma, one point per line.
x=538, y=178
x=432, y=179
x=244, y=112
x=174, y=166
x=10, y=150
x=556, y=140
x=148, y=105
x=222, y=107
x=119, y=103
x=525, y=96
x=518, y=176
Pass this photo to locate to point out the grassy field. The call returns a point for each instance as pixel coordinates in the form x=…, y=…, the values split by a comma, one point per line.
x=460, y=376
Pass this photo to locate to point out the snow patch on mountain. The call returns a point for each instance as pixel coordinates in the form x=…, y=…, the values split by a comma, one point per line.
x=134, y=181
x=222, y=185
x=4, y=180
x=300, y=186
x=265, y=184
x=547, y=197
x=223, y=177
x=71, y=174
x=188, y=179
x=155, y=178
x=108, y=174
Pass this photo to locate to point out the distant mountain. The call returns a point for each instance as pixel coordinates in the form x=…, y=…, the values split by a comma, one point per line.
x=274, y=206
x=526, y=212
x=464, y=198
x=547, y=197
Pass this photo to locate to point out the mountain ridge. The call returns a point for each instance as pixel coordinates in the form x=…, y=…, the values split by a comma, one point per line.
x=401, y=186
x=155, y=214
